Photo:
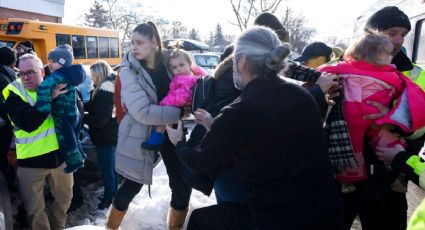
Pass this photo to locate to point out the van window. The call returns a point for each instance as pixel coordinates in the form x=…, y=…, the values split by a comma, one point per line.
x=62, y=39
x=103, y=47
x=91, y=47
x=78, y=45
x=420, y=44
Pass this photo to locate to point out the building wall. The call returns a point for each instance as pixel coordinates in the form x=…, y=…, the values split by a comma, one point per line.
x=9, y=13
x=44, y=10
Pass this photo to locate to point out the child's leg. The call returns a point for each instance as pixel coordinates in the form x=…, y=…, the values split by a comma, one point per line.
x=155, y=140
x=68, y=143
x=383, y=137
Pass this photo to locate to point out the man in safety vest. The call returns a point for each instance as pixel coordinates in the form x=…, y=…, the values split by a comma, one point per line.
x=37, y=148
x=375, y=200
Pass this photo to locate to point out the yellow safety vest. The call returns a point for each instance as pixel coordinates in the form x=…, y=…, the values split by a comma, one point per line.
x=417, y=221
x=38, y=142
x=417, y=75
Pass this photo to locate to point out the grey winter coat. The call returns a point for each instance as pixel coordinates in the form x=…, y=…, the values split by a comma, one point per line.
x=138, y=94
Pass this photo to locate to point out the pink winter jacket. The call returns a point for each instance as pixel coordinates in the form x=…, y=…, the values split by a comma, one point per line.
x=409, y=109
x=180, y=93
x=362, y=82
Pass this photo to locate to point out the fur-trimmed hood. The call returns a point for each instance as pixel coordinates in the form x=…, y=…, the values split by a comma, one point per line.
x=107, y=86
x=129, y=60
x=223, y=66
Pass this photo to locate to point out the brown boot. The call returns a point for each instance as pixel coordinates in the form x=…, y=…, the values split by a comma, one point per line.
x=176, y=218
x=114, y=218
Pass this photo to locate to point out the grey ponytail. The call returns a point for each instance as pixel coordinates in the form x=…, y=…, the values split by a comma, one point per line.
x=263, y=49
x=274, y=60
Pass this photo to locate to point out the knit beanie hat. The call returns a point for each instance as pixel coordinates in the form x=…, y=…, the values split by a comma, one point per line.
x=387, y=17
x=269, y=20
x=7, y=56
x=62, y=55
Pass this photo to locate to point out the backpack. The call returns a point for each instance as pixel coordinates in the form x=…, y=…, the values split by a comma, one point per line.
x=119, y=112
x=203, y=94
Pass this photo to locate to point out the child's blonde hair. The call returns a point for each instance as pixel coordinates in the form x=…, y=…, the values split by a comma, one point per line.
x=369, y=46
x=177, y=53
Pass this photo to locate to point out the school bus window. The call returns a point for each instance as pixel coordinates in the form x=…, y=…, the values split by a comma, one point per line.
x=114, y=47
x=91, y=47
x=103, y=47
x=62, y=39
x=78, y=46
x=7, y=43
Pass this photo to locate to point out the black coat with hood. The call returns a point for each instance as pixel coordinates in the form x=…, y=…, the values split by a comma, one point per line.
x=7, y=75
x=103, y=127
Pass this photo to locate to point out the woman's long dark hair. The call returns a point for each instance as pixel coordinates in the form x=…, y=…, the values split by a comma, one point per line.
x=149, y=30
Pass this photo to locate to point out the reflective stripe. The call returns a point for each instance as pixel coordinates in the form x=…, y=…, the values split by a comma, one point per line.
x=415, y=72
x=22, y=90
x=28, y=140
x=16, y=128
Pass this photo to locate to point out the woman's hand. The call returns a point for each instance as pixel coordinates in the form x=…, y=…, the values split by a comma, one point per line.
x=383, y=110
x=387, y=154
x=59, y=89
x=204, y=118
x=175, y=135
x=187, y=111
x=329, y=84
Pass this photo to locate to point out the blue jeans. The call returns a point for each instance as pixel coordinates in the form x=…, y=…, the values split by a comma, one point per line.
x=106, y=164
x=229, y=188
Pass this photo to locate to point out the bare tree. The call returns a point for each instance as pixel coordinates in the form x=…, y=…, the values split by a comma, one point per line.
x=170, y=30
x=123, y=18
x=299, y=34
x=178, y=29
x=246, y=9
x=336, y=41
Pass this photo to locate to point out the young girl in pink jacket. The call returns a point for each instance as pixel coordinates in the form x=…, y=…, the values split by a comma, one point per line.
x=184, y=78
x=368, y=75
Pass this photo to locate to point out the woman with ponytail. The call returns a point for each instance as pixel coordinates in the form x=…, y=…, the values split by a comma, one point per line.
x=145, y=81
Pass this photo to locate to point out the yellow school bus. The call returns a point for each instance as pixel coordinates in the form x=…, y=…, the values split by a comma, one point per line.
x=89, y=44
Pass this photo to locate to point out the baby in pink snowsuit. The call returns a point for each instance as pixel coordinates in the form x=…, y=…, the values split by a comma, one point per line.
x=367, y=75
x=180, y=92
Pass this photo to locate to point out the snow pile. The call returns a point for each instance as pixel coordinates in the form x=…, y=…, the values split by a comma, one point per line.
x=144, y=213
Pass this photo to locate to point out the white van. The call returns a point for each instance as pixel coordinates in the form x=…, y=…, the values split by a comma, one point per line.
x=208, y=61
x=415, y=40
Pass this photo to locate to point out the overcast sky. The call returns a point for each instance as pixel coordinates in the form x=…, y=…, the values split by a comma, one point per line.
x=328, y=17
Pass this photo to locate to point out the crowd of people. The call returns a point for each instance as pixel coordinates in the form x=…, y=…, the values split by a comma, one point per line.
x=278, y=155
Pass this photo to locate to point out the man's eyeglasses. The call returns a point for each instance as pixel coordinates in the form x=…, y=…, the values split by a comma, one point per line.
x=30, y=74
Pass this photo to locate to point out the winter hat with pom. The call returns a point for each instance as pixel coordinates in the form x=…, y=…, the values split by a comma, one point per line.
x=62, y=55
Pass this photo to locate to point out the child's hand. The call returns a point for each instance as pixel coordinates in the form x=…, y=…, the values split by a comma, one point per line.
x=329, y=83
x=387, y=154
x=59, y=89
x=383, y=110
x=204, y=118
x=187, y=111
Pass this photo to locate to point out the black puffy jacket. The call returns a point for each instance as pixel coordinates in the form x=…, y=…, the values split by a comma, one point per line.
x=103, y=127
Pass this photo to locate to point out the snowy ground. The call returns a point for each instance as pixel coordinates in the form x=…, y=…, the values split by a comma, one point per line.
x=144, y=213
